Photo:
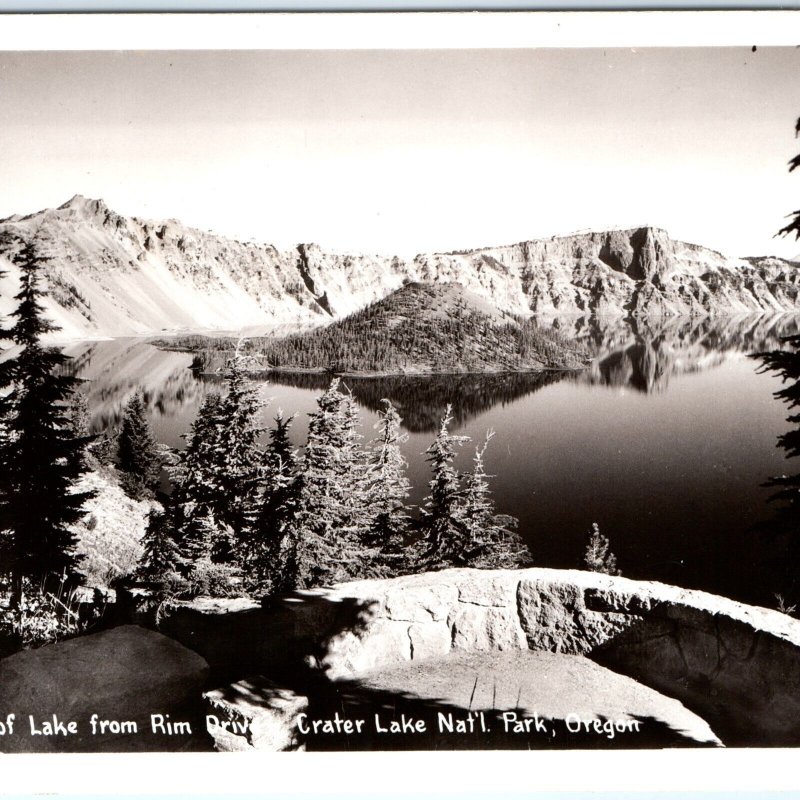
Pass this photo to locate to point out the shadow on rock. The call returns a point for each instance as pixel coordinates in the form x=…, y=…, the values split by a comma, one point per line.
x=384, y=720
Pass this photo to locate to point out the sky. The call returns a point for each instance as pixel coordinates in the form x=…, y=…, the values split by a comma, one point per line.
x=412, y=151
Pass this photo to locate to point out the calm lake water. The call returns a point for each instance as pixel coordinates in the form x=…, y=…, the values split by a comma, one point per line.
x=664, y=441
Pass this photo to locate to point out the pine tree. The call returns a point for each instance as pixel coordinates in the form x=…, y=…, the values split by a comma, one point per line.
x=6, y=383
x=492, y=539
x=161, y=555
x=136, y=448
x=263, y=557
x=80, y=416
x=323, y=544
x=44, y=457
x=355, y=472
x=598, y=557
x=446, y=540
x=240, y=457
x=218, y=478
x=388, y=488
x=78, y=421
x=793, y=226
x=197, y=490
x=785, y=522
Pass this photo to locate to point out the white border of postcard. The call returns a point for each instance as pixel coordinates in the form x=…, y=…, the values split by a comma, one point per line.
x=437, y=774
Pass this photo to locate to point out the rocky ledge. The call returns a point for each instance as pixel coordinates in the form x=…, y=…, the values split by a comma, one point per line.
x=735, y=666
x=700, y=668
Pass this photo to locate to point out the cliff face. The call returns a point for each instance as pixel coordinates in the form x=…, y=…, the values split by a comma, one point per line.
x=628, y=272
x=110, y=275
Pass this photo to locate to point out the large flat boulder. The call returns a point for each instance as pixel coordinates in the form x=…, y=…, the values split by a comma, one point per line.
x=138, y=682
x=735, y=665
x=503, y=699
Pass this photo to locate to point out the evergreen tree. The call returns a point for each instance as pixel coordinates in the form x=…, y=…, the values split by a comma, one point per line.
x=239, y=457
x=492, y=539
x=78, y=420
x=355, y=471
x=323, y=544
x=388, y=489
x=218, y=478
x=597, y=557
x=79, y=416
x=446, y=539
x=280, y=468
x=44, y=457
x=197, y=491
x=794, y=224
x=263, y=558
x=161, y=555
x=136, y=448
x=6, y=382
x=785, y=523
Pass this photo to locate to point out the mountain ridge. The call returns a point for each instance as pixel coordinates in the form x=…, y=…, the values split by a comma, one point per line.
x=112, y=275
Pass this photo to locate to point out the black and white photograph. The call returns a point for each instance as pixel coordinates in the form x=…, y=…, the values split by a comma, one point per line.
x=372, y=399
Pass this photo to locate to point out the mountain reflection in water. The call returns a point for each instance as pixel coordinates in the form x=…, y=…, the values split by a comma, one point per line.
x=112, y=371
x=641, y=355
x=644, y=355
x=422, y=400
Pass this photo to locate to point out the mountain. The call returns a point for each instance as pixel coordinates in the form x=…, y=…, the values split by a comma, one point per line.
x=110, y=275
x=418, y=329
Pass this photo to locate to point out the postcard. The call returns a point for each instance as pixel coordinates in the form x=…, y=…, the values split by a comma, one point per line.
x=417, y=382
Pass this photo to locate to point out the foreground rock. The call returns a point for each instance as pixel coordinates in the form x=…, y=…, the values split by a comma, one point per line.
x=254, y=714
x=736, y=666
x=127, y=674
x=510, y=699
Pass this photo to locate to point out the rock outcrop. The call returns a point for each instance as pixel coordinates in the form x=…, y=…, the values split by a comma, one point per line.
x=506, y=687
x=716, y=670
x=736, y=666
x=254, y=714
x=111, y=275
x=123, y=675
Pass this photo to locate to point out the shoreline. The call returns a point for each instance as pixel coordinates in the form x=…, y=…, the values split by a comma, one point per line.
x=387, y=374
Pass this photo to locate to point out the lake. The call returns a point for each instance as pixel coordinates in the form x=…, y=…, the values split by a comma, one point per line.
x=664, y=440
